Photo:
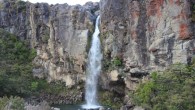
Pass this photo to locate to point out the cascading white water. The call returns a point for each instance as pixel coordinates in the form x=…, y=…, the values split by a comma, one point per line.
x=93, y=70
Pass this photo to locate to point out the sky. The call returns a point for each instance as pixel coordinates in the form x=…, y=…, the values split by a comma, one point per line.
x=70, y=2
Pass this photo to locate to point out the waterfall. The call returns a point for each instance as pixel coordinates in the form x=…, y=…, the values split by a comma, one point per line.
x=93, y=70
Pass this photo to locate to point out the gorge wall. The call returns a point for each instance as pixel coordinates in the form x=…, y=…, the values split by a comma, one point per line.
x=145, y=36
x=60, y=34
x=138, y=37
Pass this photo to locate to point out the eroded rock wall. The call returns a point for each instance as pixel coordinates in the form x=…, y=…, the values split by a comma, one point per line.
x=147, y=35
x=138, y=36
x=60, y=34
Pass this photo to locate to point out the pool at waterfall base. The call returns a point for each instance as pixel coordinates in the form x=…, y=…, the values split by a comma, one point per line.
x=79, y=107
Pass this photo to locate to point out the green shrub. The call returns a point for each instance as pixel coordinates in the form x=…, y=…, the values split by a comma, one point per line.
x=21, y=5
x=172, y=90
x=13, y=103
x=106, y=99
x=45, y=38
x=117, y=62
x=17, y=103
x=109, y=65
x=3, y=102
x=16, y=70
x=34, y=86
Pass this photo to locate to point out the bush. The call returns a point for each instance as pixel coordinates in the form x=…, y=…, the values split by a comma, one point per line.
x=16, y=70
x=12, y=103
x=21, y=6
x=45, y=38
x=172, y=90
x=15, y=65
x=110, y=64
x=34, y=86
x=116, y=62
x=106, y=98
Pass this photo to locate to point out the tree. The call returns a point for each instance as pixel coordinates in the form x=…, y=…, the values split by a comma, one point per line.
x=172, y=90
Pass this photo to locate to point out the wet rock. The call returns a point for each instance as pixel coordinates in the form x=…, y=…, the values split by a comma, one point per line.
x=41, y=106
x=55, y=108
x=138, y=108
x=114, y=75
x=102, y=108
x=126, y=107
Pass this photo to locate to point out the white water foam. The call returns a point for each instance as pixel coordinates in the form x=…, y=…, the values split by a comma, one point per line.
x=93, y=70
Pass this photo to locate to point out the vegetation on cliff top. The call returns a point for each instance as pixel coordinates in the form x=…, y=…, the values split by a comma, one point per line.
x=18, y=5
x=174, y=89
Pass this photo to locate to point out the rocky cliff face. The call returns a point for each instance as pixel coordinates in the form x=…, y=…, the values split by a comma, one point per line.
x=146, y=35
x=60, y=34
x=138, y=37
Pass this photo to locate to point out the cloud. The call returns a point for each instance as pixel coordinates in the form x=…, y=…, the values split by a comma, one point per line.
x=70, y=2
